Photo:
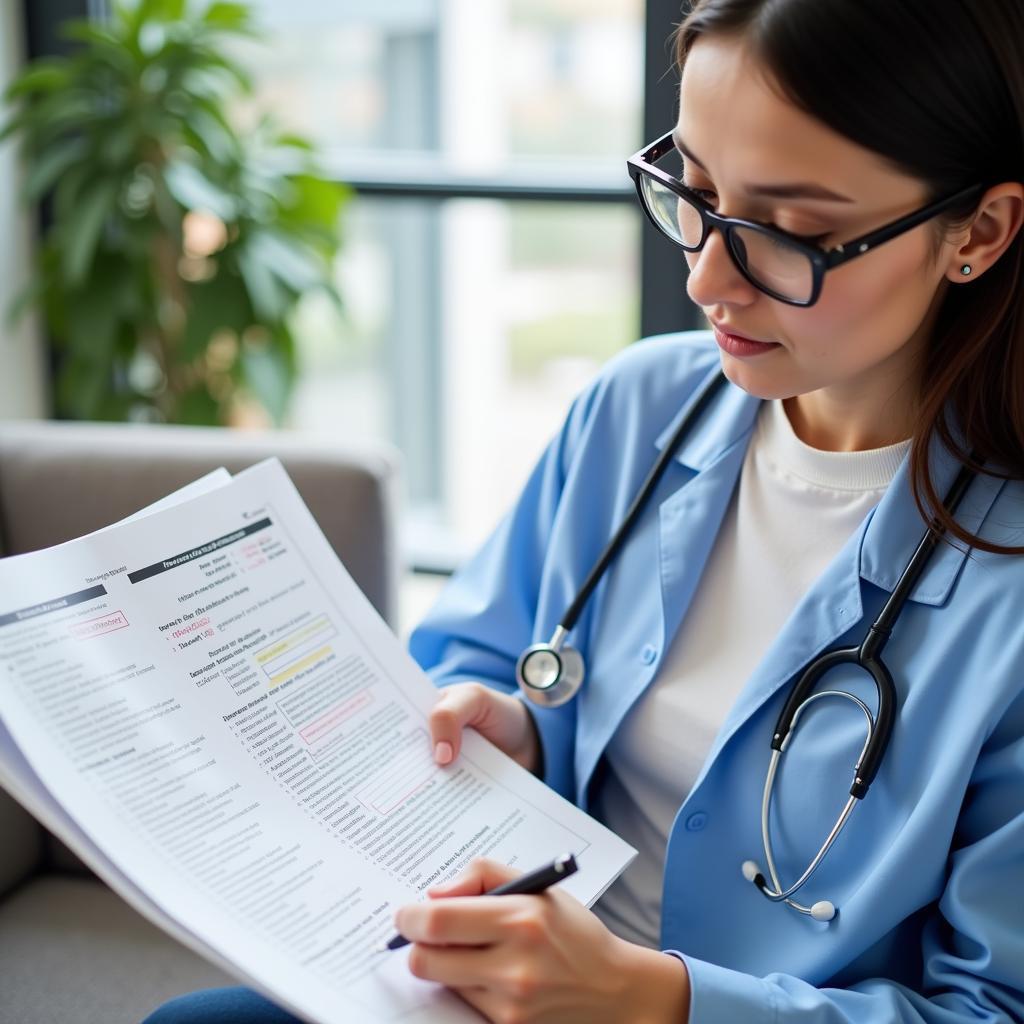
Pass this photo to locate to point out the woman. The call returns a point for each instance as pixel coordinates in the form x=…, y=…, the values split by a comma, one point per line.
x=860, y=383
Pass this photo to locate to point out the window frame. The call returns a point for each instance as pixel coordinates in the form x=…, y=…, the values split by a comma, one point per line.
x=663, y=302
x=664, y=305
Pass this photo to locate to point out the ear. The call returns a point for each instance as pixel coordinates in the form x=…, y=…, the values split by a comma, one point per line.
x=994, y=226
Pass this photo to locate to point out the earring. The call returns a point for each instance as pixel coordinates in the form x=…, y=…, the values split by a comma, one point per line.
x=966, y=270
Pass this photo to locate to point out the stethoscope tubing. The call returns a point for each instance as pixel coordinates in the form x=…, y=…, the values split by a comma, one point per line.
x=766, y=800
x=551, y=674
x=868, y=654
x=655, y=474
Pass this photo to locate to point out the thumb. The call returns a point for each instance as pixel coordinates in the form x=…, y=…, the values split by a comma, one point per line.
x=458, y=706
x=480, y=876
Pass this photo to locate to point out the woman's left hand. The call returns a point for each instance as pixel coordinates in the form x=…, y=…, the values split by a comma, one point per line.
x=537, y=958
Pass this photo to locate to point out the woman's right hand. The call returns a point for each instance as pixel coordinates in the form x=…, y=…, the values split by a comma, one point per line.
x=502, y=719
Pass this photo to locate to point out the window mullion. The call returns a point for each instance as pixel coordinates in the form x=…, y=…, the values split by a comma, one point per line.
x=664, y=305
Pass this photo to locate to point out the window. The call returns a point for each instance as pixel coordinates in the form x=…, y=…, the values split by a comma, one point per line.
x=474, y=315
x=494, y=249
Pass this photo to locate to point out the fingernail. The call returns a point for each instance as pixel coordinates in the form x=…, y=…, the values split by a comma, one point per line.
x=443, y=752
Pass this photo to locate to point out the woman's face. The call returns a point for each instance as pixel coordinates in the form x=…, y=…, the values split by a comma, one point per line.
x=864, y=335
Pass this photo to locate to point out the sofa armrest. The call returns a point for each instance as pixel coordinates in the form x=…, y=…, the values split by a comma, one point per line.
x=21, y=846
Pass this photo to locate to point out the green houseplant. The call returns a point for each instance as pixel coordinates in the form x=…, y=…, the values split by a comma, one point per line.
x=179, y=246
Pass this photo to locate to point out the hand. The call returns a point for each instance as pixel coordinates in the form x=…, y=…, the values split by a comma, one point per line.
x=502, y=719
x=537, y=959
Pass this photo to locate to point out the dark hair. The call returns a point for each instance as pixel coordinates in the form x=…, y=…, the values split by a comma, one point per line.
x=937, y=88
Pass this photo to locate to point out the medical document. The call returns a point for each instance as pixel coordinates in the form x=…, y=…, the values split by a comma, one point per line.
x=202, y=704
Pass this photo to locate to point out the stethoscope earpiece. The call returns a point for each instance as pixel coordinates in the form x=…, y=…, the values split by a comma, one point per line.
x=823, y=910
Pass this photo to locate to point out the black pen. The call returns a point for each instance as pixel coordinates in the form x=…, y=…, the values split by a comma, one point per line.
x=525, y=885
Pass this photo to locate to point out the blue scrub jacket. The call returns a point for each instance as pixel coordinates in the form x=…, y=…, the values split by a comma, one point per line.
x=928, y=875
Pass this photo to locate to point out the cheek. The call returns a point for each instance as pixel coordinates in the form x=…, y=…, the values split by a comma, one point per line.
x=867, y=310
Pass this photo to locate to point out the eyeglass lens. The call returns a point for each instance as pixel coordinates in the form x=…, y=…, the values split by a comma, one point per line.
x=768, y=259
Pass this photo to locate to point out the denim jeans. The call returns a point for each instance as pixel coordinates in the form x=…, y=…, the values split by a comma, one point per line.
x=221, y=1006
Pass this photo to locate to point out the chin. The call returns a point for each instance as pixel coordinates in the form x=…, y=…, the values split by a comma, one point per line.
x=760, y=384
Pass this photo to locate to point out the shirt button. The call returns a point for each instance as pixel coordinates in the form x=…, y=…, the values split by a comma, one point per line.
x=648, y=654
x=695, y=822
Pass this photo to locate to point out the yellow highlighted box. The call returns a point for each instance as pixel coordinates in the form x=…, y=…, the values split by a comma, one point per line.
x=292, y=640
x=298, y=666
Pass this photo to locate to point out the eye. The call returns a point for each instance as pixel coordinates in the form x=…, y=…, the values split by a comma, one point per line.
x=681, y=169
x=707, y=194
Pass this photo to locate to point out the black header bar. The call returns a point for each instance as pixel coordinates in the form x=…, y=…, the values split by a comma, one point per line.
x=204, y=549
x=56, y=605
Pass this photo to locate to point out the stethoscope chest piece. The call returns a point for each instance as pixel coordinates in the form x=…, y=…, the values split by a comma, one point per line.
x=550, y=674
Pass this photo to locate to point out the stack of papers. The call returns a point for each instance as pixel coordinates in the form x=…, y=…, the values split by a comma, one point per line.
x=201, y=703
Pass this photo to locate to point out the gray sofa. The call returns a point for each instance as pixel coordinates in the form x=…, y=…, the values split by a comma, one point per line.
x=71, y=951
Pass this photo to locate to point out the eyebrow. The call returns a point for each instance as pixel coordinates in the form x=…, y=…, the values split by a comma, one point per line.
x=796, y=190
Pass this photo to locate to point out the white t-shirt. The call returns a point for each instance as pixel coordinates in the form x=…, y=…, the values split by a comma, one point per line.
x=793, y=509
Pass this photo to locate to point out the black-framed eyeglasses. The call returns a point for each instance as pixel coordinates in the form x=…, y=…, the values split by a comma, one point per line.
x=783, y=265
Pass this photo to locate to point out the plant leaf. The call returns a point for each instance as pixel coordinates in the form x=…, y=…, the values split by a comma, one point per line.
x=212, y=82
x=267, y=374
x=316, y=201
x=121, y=145
x=287, y=260
x=49, y=166
x=43, y=75
x=266, y=294
x=198, y=408
x=213, y=135
x=81, y=388
x=193, y=190
x=161, y=10
x=81, y=232
x=222, y=302
x=92, y=324
x=227, y=15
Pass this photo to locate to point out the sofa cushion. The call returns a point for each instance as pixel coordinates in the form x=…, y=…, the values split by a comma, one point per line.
x=71, y=950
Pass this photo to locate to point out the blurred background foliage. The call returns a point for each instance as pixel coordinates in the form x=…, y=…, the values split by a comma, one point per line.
x=177, y=246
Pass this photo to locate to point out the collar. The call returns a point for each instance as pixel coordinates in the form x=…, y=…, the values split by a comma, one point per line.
x=893, y=528
x=729, y=418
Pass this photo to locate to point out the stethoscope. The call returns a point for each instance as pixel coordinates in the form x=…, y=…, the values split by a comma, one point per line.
x=551, y=674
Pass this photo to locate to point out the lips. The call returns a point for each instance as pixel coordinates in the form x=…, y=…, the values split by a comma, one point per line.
x=732, y=332
x=740, y=345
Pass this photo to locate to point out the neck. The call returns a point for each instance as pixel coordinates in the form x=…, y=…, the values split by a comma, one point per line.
x=842, y=420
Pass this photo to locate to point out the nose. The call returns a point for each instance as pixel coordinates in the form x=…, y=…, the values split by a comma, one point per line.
x=714, y=278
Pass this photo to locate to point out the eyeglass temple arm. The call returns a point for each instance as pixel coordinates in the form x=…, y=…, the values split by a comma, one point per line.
x=848, y=250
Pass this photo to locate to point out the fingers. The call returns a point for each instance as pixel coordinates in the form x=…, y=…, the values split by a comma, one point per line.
x=458, y=706
x=463, y=922
x=444, y=921
x=454, y=967
x=498, y=717
x=481, y=875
